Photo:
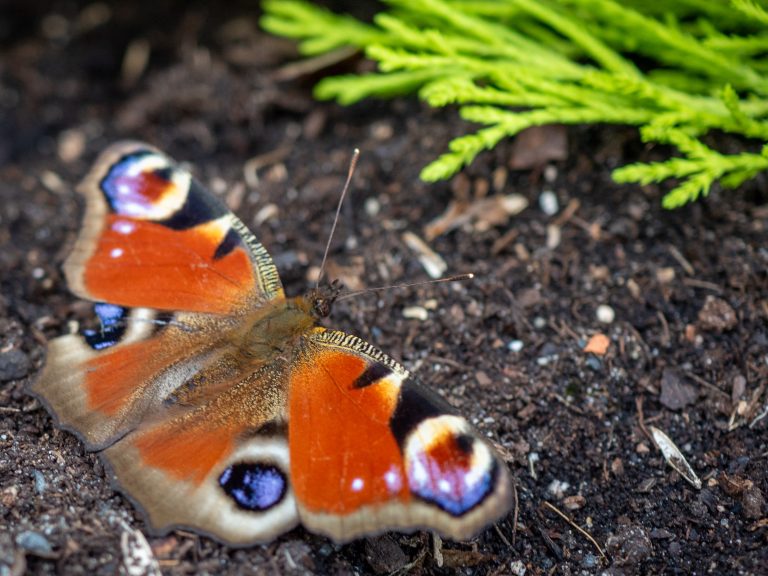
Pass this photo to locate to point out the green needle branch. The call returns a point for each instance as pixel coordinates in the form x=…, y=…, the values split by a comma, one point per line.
x=679, y=70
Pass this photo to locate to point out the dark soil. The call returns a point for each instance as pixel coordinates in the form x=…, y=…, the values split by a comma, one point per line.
x=688, y=347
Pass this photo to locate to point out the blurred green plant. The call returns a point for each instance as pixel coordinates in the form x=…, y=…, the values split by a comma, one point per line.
x=677, y=69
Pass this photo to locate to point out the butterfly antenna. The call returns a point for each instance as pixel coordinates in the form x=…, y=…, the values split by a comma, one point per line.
x=456, y=278
x=352, y=165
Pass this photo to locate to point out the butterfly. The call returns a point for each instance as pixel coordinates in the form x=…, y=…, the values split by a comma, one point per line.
x=221, y=405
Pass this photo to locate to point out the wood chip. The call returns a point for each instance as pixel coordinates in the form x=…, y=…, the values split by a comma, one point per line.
x=135, y=61
x=433, y=263
x=674, y=457
x=598, y=344
x=554, y=235
x=138, y=558
x=415, y=313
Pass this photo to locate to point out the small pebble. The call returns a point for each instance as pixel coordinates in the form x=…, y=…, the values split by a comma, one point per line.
x=548, y=203
x=676, y=393
x=550, y=173
x=630, y=546
x=14, y=364
x=753, y=503
x=539, y=322
x=545, y=360
x=717, y=315
x=372, y=207
x=71, y=145
x=589, y=561
x=515, y=345
x=665, y=275
x=34, y=542
x=382, y=130
x=40, y=482
x=605, y=314
x=558, y=488
x=517, y=568
x=9, y=495
x=594, y=363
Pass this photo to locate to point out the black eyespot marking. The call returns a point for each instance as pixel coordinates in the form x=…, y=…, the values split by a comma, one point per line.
x=372, y=374
x=164, y=173
x=111, y=318
x=200, y=207
x=254, y=486
x=465, y=443
x=415, y=404
x=230, y=242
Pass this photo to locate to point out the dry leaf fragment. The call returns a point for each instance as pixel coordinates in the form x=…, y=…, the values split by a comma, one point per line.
x=537, y=145
x=674, y=457
x=484, y=212
x=676, y=394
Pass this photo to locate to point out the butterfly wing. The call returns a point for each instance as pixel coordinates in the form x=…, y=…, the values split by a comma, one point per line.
x=100, y=383
x=154, y=237
x=217, y=464
x=372, y=450
x=160, y=388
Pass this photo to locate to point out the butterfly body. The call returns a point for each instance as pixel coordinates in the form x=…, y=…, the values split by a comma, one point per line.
x=223, y=406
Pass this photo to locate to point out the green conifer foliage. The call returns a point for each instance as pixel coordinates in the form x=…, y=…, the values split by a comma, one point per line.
x=679, y=70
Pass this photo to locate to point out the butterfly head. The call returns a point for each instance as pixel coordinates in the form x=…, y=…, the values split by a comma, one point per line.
x=321, y=299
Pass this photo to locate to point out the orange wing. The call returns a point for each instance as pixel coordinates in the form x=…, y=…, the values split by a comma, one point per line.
x=154, y=237
x=373, y=450
x=218, y=465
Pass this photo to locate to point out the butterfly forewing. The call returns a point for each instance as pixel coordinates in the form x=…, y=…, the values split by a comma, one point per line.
x=154, y=237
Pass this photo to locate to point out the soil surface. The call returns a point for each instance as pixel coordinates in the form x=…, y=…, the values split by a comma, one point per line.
x=680, y=299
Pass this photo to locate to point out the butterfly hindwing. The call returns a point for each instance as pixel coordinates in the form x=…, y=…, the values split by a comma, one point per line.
x=90, y=378
x=217, y=464
x=373, y=450
x=154, y=237
x=193, y=430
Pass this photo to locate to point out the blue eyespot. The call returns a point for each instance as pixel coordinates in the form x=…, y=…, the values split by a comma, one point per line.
x=453, y=491
x=253, y=486
x=112, y=326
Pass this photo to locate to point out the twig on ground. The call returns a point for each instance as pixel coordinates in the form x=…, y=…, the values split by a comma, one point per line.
x=584, y=533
